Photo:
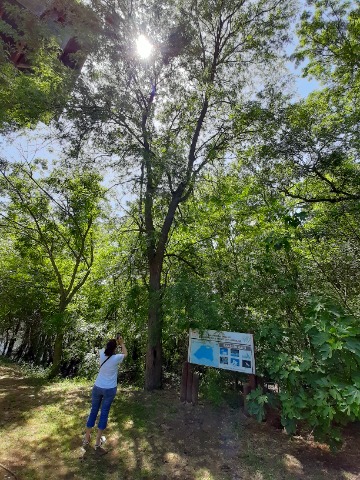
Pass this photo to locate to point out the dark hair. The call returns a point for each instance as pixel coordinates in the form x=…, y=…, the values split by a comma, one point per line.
x=110, y=347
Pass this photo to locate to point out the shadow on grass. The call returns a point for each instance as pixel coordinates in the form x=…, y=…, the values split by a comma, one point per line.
x=20, y=395
x=151, y=436
x=275, y=456
x=159, y=438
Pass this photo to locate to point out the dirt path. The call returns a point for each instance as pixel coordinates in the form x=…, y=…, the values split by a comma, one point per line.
x=154, y=437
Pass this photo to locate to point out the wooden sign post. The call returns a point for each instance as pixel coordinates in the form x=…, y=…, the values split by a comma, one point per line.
x=189, y=391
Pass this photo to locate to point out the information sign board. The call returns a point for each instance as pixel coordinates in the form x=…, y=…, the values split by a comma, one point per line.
x=226, y=350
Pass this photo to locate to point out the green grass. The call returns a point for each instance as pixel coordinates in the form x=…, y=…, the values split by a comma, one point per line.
x=151, y=436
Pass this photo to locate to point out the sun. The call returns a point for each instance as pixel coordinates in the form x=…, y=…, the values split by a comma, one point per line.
x=143, y=47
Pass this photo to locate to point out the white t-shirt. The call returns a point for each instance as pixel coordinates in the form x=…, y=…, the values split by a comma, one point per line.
x=107, y=376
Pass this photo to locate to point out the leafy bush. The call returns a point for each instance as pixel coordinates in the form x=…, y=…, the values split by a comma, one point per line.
x=89, y=367
x=212, y=386
x=320, y=385
x=257, y=401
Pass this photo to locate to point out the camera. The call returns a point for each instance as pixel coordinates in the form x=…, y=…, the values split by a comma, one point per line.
x=118, y=336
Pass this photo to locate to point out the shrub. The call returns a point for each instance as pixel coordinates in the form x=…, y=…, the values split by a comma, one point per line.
x=320, y=385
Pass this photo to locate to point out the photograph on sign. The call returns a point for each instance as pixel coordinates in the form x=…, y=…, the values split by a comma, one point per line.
x=226, y=350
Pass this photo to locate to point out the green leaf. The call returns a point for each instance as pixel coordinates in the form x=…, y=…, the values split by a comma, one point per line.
x=320, y=338
x=353, y=345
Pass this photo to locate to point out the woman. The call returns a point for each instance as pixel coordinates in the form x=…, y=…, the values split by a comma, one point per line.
x=104, y=390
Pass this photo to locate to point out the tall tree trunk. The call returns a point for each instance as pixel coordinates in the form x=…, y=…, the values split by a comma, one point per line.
x=10, y=342
x=10, y=347
x=6, y=342
x=58, y=350
x=40, y=349
x=59, y=339
x=153, y=374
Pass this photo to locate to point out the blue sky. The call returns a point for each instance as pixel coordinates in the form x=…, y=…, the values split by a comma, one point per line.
x=305, y=86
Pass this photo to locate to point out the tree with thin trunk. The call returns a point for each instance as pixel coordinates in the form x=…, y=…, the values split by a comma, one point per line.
x=53, y=219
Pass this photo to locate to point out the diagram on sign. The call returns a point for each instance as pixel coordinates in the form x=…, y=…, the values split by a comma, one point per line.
x=204, y=354
x=226, y=350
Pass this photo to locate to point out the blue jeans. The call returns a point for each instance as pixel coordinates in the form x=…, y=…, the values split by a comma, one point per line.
x=103, y=397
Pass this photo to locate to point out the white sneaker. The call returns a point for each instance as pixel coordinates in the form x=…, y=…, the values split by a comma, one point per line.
x=102, y=441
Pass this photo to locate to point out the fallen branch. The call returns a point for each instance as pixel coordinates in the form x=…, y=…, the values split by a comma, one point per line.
x=8, y=470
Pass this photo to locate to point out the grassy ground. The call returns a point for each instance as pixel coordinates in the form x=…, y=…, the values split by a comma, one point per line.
x=150, y=436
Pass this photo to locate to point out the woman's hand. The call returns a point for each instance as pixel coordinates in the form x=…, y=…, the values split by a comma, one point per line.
x=121, y=343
